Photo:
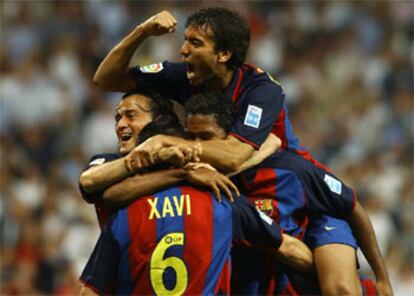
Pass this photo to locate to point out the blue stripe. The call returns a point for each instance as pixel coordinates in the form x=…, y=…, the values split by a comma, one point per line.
x=222, y=237
x=293, y=141
x=169, y=224
x=120, y=230
x=290, y=197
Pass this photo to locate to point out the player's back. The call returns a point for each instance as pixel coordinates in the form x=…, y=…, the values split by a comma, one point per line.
x=174, y=242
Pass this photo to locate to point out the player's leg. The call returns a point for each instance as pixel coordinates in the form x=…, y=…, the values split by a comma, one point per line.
x=334, y=249
x=337, y=270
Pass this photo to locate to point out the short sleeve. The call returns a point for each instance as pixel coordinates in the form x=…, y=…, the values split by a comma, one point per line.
x=101, y=269
x=95, y=160
x=253, y=227
x=167, y=78
x=258, y=113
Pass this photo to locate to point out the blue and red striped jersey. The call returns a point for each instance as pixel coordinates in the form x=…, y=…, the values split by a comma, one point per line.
x=259, y=98
x=175, y=242
x=103, y=212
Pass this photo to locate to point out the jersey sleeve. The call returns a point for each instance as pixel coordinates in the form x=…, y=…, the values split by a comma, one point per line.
x=101, y=269
x=254, y=227
x=167, y=78
x=258, y=113
x=330, y=196
x=95, y=160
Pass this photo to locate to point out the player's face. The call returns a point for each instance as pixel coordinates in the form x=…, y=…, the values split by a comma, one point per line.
x=198, y=52
x=204, y=127
x=132, y=114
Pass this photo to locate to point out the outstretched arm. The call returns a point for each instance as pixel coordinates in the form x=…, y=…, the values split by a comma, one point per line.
x=112, y=73
x=365, y=235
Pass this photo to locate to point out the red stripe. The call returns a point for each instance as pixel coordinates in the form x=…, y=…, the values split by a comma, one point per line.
x=289, y=290
x=140, y=249
x=200, y=220
x=306, y=155
x=264, y=187
x=244, y=140
x=223, y=283
x=369, y=287
x=279, y=129
x=237, y=89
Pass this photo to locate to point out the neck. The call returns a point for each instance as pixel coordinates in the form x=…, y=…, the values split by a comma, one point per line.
x=222, y=80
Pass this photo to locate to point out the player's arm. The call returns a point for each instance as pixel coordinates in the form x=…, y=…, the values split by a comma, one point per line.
x=98, y=177
x=127, y=190
x=296, y=254
x=268, y=147
x=365, y=235
x=113, y=73
x=226, y=155
x=254, y=227
x=86, y=291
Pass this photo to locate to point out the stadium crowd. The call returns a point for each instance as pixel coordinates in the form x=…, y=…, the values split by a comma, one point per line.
x=346, y=67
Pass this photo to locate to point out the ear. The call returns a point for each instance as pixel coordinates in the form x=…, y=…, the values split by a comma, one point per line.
x=224, y=56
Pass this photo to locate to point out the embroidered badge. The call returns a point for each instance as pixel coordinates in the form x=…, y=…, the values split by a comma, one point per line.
x=334, y=184
x=264, y=205
x=97, y=161
x=153, y=68
x=253, y=116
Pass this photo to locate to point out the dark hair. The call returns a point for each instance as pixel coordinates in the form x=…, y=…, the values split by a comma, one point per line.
x=213, y=103
x=166, y=124
x=159, y=105
x=230, y=31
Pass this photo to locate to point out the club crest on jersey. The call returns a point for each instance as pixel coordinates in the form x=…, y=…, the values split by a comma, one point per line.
x=333, y=184
x=264, y=205
x=153, y=68
x=253, y=116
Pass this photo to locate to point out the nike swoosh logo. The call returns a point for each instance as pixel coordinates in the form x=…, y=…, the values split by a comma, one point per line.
x=328, y=228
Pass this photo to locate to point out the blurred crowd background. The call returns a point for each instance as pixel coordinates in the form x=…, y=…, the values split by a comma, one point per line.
x=346, y=67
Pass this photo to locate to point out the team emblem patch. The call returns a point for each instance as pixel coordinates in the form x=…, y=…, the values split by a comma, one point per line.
x=333, y=184
x=97, y=161
x=264, y=206
x=253, y=116
x=153, y=68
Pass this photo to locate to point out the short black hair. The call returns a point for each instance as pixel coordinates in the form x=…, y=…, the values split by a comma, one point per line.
x=166, y=124
x=230, y=31
x=159, y=105
x=212, y=103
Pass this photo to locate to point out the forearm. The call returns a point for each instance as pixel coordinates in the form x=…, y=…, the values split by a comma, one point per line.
x=112, y=74
x=295, y=254
x=269, y=147
x=226, y=155
x=365, y=235
x=126, y=191
x=101, y=176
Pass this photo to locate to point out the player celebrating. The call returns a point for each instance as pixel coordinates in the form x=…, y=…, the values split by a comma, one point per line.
x=285, y=181
x=178, y=242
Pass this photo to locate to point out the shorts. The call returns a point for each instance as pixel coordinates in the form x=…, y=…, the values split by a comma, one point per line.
x=324, y=230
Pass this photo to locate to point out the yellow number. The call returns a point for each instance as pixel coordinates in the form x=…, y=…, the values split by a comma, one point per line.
x=158, y=265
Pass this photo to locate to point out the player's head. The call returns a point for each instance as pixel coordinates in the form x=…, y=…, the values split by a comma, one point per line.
x=167, y=124
x=209, y=115
x=134, y=111
x=214, y=38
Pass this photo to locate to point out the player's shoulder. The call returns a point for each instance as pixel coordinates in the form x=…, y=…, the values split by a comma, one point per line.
x=101, y=158
x=255, y=75
x=162, y=67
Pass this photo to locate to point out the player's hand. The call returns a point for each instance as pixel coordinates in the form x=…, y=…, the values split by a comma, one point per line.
x=180, y=154
x=144, y=155
x=384, y=288
x=159, y=24
x=216, y=181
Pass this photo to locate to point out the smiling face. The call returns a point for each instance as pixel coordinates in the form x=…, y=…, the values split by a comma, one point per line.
x=205, y=66
x=132, y=114
x=204, y=127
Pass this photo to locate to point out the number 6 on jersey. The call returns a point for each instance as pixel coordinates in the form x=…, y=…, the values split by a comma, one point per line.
x=158, y=266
